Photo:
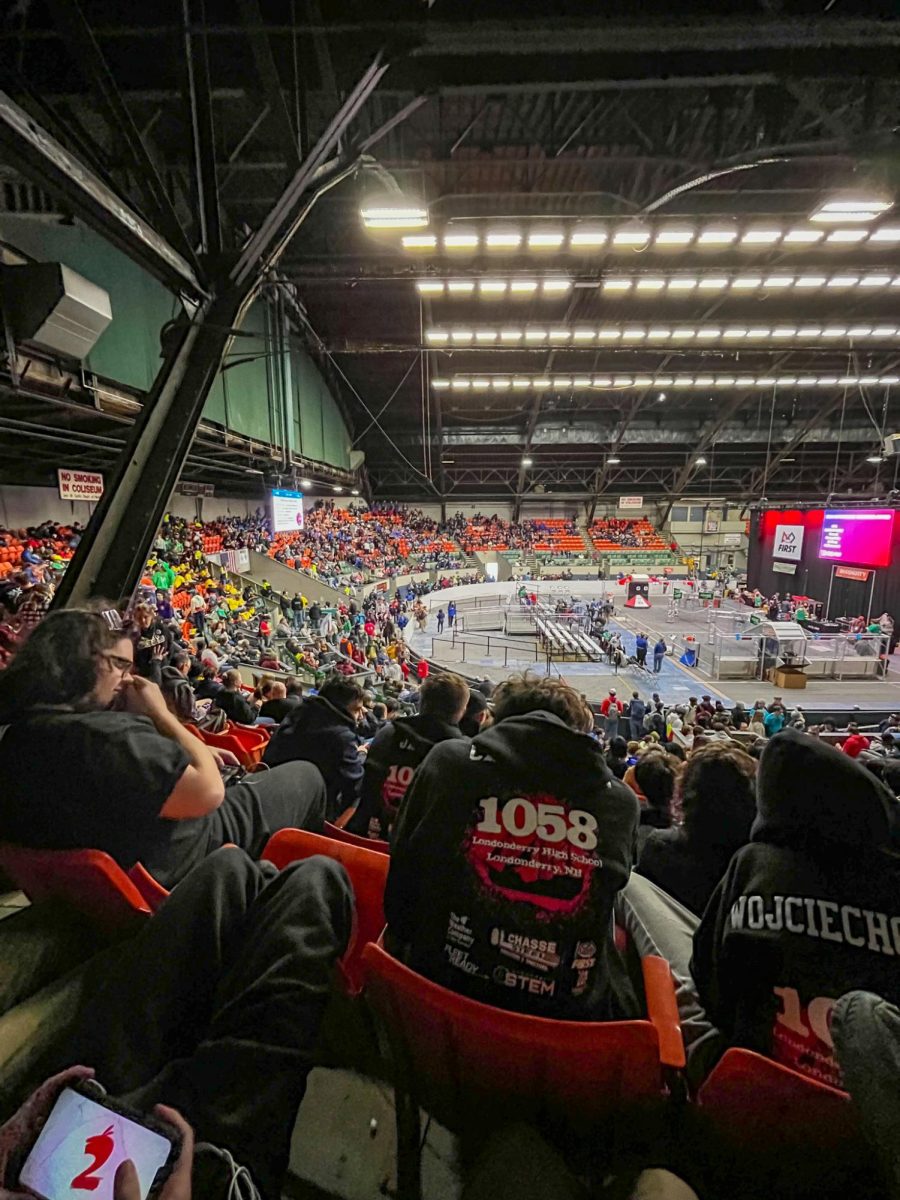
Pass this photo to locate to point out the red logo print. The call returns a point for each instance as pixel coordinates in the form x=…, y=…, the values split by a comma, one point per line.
x=99, y=1148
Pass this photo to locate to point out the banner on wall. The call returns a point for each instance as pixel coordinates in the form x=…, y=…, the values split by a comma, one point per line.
x=857, y=573
x=631, y=502
x=783, y=568
x=732, y=539
x=237, y=561
x=79, y=485
x=788, y=542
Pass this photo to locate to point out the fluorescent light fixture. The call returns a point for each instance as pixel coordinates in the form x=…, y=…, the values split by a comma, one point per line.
x=526, y=462
x=541, y=383
x=522, y=287
x=745, y=282
x=803, y=381
x=430, y=287
x=613, y=461
x=460, y=385
x=682, y=382
x=500, y=385
x=874, y=458
x=583, y=335
x=704, y=381
x=758, y=332
x=684, y=334
x=622, y=381
x=778, y=281
x=608, y=335
x=617, y=284
x=717, y=235
x=834, y=331
x=859, y=331
x=659, y=333
x=555, y=287
x=700, y=462
x=480, y=385
x=419, y=241
x=503, y=239
x=846, y=235
x=724, y=381
x=440, y=385
x=485, y=335
x=675, y=235
x=355, y=492
x=461, y=335
x=535, y=335
x=510, y=335
x=643, y=381
x=631, y=234
x=562, y=381
x=460, y=287
x=602, y=381
x=873, y=279
x=709, y=332
x=633, y=333
x=841, y=218
x=809, y=331
x=843, y=281
x=461, y=241
x=762, y=235
x=683, y=283
x=337, y=488
x=581, y=381
x=885, y=233
x=492, y=287
x=713, y=283
x=587, y=237
x=437, y=336
x=803, y=236
x=810, y=281
x=306, y=483
x=520, y=384
x=560, y=335
x=545, y=239
x=394, y=216
x=856, y=203
x=650, y=284
x=784, y=331
x=735, y=331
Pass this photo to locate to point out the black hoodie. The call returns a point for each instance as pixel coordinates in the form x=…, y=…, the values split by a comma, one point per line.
x=809, y=910
x=391, y=763
x=507, y=854
x=319, y=732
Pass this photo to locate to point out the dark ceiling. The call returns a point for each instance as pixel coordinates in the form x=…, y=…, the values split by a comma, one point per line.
x=505, y=113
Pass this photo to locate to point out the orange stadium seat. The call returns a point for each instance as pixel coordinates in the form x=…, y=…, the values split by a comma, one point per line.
x=473, y=1067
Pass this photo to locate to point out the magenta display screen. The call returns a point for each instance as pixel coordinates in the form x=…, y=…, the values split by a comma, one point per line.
x=861, y=536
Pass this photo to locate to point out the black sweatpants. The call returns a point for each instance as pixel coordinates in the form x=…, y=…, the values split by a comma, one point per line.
x=290, y=796
x=214, y=1006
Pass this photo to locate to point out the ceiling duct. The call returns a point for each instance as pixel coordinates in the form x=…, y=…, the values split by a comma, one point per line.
x=54, y=307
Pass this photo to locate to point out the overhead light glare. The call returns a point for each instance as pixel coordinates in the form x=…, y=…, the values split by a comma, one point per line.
x=430, y=287
x=503, y=239
x=419, y=241
x=545, y=239
x=588, y=237
x=460, y=241
x=395, y=216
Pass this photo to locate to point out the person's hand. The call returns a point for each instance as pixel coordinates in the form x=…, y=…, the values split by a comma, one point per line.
x=19, y=1133
x=126, y=1185
x=224, y=758
x=144, y=698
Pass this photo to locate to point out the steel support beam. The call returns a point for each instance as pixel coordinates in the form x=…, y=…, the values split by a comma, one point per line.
x=267, y=71
x=200, y=106
x=86, y=54
x=39, y=157
x=110, y=557
x=797, y=438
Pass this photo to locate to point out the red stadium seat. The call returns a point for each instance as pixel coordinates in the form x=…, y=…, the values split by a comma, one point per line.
x=87, y=880
x=368, y=875
x=353, y=839
x=472, y=1066
x=774, y=1119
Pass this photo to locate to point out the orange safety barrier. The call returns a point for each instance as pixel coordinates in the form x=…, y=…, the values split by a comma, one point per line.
x=472, y=1066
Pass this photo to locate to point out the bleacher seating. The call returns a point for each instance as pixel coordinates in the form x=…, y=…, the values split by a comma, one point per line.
x=615, y=534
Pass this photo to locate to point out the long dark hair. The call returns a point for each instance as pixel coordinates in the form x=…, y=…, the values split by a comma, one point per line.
x=57, y=665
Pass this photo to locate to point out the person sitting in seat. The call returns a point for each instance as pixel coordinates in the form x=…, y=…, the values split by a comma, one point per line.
x=242, y=963
x=399, y=748
x=718, y=804
x=506, y=856
x=809, y=910
x=92, y=758
x=232, y=701
x=324, y=730
x=278, y=704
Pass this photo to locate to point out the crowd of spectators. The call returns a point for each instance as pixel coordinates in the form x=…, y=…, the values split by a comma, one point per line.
x=617, y=533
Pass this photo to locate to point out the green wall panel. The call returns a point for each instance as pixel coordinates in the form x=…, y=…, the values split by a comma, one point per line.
x=128, y=350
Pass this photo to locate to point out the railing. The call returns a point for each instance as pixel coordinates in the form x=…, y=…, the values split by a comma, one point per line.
x=472, y=646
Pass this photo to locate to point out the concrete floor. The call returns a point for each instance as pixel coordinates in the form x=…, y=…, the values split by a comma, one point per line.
x=675, y=683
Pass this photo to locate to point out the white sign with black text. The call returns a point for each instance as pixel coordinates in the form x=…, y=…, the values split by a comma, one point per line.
x=788, y=542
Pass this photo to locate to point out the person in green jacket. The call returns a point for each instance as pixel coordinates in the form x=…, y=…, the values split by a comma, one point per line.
x=163, y=577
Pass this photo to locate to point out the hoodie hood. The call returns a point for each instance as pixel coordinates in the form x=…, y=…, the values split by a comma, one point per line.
x=425, y=731
x=315, y=712
x=809, y=792
x=542, y=749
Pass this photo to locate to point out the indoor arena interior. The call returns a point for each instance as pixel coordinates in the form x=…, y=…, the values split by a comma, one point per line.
x=449, y=585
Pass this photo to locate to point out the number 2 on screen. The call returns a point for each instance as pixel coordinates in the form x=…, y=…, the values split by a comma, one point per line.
x=99, y=1148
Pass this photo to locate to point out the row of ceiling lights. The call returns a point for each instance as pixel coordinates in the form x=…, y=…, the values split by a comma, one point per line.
x=676, y=285
x=308, y=485
x=635, y=235
x=497, y=383
x=587, y=336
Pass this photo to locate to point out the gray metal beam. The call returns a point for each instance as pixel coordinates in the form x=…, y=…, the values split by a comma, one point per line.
x=111, y=555
x=200, y=107
x=267, y=71
x=86, y=54
x=39, y=157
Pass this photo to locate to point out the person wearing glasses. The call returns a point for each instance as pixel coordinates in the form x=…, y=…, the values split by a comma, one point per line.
x=91, y=758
